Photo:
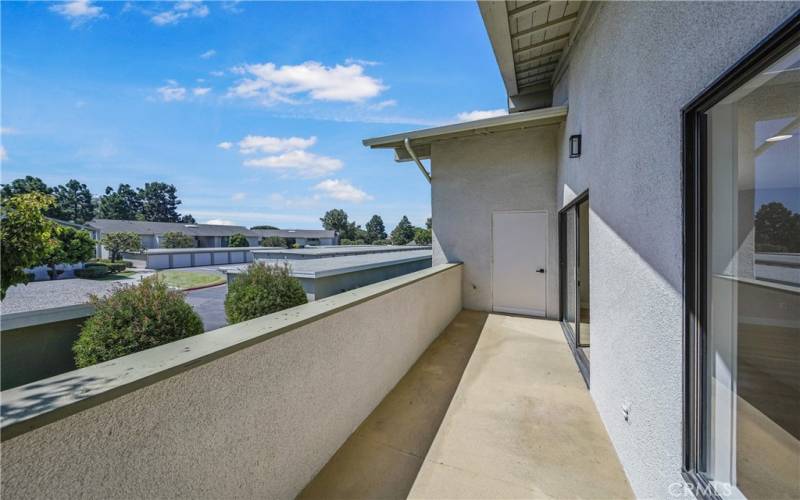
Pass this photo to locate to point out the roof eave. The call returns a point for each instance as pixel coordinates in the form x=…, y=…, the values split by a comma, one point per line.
x=422, y=139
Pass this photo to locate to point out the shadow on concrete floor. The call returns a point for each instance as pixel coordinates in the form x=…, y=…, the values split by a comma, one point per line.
x=382, y=457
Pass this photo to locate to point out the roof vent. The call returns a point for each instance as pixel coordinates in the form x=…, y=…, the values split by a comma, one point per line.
x=191, y=225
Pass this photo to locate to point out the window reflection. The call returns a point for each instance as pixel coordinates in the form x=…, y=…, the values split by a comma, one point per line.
x=753, y=363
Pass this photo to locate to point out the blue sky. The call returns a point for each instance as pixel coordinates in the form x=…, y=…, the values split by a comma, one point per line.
x=255, y=111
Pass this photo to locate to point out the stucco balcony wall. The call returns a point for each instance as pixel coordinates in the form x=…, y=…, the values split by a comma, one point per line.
x=251, y=410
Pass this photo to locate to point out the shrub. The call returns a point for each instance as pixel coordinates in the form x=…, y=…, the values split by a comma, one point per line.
x=110, y=267
x=132, y=319
x=382, y=242
x=238, y=240
x=127, y=263
x=92, y=272
x=260, y=290
x=273, y=241
x=296, y=245
x=176, y=239
x=345, y=241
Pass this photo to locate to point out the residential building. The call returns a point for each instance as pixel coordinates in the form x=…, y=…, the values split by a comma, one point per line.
x=206, y=235
x=603, y=318
x=622, y=196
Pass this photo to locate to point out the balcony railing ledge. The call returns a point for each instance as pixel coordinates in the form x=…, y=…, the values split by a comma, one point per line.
x=39, y=403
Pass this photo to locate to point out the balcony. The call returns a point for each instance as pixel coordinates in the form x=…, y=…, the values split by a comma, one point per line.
x=390, y=390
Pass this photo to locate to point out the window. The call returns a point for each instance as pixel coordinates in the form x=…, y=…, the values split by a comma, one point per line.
x=742, y=263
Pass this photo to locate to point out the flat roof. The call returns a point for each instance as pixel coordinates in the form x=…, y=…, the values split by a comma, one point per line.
x=332, y=266
x=339, y=250
x=422, y=139
x=170, y=251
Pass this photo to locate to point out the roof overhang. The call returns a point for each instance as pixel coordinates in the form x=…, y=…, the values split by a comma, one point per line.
x=531, y=40
x=421, y=140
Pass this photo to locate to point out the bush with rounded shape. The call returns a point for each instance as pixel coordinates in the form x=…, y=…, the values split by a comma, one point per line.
x=273, y=241
x=132, y=319
x=238, y=240
x=262, y=289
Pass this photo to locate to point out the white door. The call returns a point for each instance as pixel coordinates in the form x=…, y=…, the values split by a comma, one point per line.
x=519, y=262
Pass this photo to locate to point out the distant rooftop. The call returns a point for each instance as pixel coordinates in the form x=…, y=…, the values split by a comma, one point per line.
x=331, y=266
x=158, y=228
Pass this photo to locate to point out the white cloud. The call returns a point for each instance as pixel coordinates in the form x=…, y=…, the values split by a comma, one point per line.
x=269, y=84
x=172, y=91
x=360, y=62
x=180, y=11
x=383, y=104
x=469, y=116
x=267, y=144
x=217, y=73
x=298, y=162
x=8, y=131
x=78, y=12
x=3, y=154
x=201, y=90
x=238, y=196
x=342, y=191
x=208, y=54
x=220, y=222
x=286, y=155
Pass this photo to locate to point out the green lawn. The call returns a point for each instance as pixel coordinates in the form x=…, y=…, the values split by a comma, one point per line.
x=183, y=279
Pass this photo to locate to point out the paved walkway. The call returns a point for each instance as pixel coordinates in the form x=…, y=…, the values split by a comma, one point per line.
x=521, y=424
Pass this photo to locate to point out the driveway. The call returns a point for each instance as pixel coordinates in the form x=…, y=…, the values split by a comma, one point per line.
x=209, y=304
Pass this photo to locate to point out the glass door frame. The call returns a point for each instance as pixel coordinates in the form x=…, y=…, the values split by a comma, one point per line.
x=573, y=337
x=695, y=231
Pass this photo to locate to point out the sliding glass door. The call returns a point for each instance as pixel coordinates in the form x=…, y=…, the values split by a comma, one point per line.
x=575, y=310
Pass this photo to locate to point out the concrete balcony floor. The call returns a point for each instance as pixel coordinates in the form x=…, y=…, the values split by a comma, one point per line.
x=494, y=408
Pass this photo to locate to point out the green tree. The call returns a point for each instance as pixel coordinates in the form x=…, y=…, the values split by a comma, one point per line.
x=264, y=227
x=132, y=319
x=71, y=247
x=375, y=229
x=187, y=219
x=429, y=223
x=403, y=233
x=422, y=236
x=124, y=204
x=273, y=241
x=262, y=289
x=777, y=229
x=116, y=243
x=159, y=202
x=336, y=220
x=25, y=236
x=74, y=202
x=238, y=240
x=27, y=185
x=177, y=239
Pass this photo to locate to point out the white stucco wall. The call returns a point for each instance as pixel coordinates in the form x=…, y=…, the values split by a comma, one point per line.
x=474, y=177
x=629, y=75
x=258, y=421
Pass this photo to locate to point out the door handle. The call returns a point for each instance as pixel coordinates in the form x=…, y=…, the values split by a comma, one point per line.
x=540, y=271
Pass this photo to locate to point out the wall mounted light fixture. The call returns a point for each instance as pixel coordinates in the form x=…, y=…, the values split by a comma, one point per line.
x=574, y=146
